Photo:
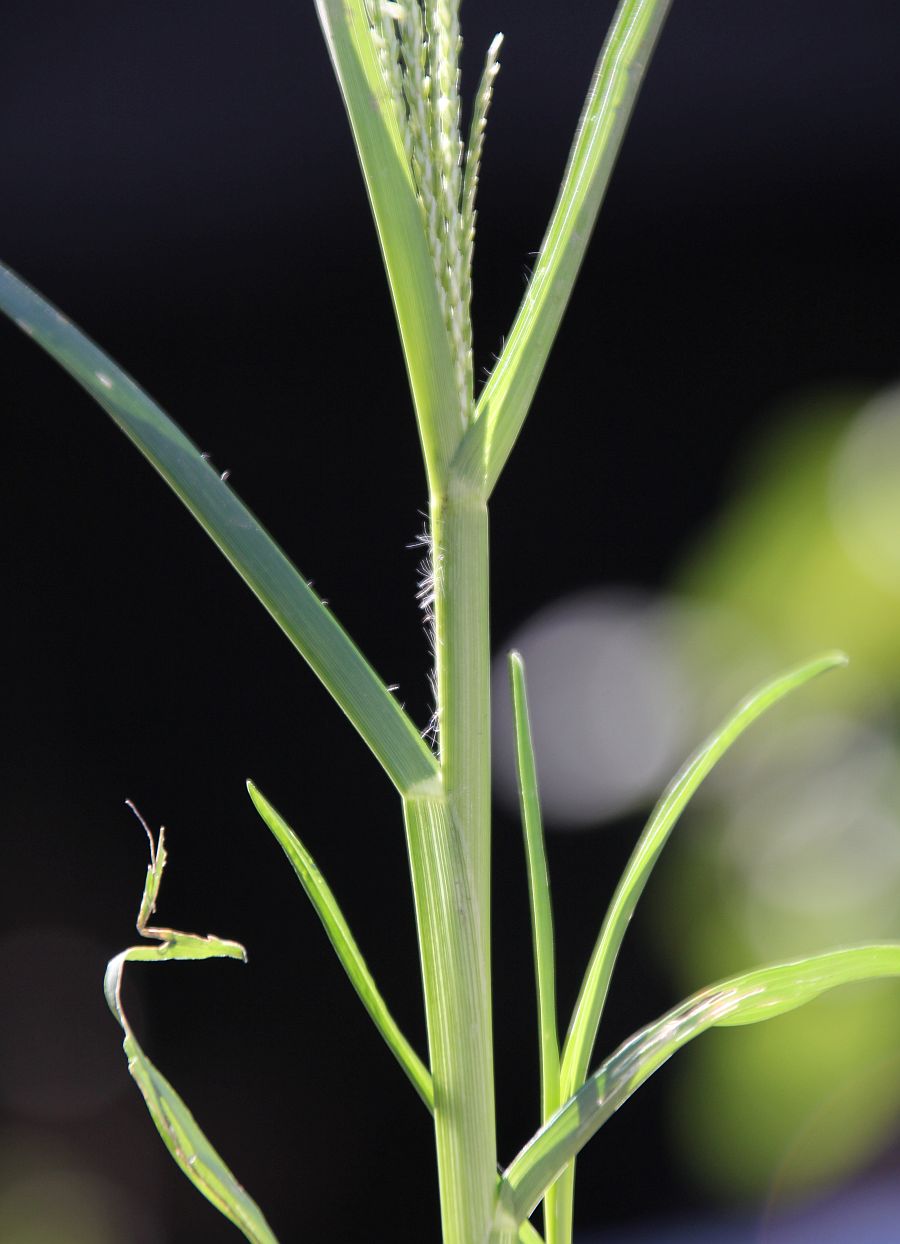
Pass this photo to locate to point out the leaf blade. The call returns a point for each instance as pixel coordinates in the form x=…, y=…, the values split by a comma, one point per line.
x=592, y=996
x=351, y=958
x=265, y=569
x=400, y=227
x=505, y=400
x=750, y=997
x=180, y=1132
x=538, y=891
x=345, y=946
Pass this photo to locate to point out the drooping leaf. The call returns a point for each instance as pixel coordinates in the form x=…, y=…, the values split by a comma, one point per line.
x=745, y=999
x=176, y=1125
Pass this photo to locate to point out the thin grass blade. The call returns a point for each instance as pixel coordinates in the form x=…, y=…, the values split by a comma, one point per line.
x=539, y=892
x=400, y=225
x=322, y=898
x=176, y=1125
x=257, y=558
x=505, y=400
x=592, y=997
x=744, y=999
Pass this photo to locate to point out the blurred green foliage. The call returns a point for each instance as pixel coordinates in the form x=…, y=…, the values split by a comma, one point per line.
x=798, y=842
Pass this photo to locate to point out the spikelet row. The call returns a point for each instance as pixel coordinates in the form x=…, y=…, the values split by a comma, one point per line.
x=419, y=48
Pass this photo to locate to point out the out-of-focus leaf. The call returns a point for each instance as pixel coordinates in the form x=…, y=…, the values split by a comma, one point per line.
x=744, y=999
x=589, y=1007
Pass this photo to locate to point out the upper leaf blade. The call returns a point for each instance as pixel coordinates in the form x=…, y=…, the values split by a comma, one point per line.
x=254, y=554
x=592, y=996
x=505, y=400
x=401, y=232
x=744, y=999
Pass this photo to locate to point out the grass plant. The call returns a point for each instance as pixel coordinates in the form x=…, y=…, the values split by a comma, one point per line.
x=397, y=65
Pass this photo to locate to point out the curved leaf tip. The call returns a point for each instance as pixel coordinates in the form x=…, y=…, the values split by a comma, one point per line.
x=173, y=1120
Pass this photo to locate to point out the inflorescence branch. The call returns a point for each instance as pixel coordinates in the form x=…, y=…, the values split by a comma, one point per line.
x=419, y=48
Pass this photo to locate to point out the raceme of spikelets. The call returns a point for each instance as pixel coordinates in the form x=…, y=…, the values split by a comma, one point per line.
x=419, y=47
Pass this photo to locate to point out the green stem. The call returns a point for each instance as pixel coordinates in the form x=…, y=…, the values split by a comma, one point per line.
x=450, y=853
x=458, y=1017
x=459, y=527
x=559, y=1208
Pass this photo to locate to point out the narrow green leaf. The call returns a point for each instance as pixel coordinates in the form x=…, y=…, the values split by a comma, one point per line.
x=176, y=1125
x=322, y=898
x=320, y=895
x=507, y=396
x=745, y=999
x=257, y=558
x=539, y=892
x=589, y=1007
x=400, y=225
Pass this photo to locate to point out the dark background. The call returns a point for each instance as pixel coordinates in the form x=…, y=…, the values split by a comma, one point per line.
x=179, y=179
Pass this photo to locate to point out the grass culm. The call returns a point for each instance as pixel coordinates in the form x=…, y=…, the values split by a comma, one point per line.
x=397, y=65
